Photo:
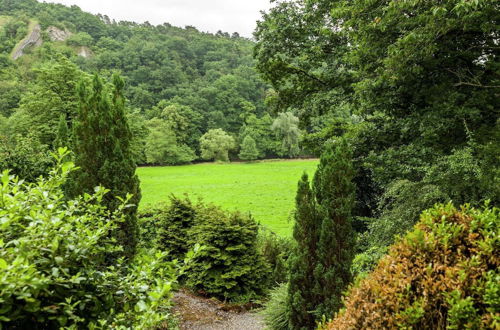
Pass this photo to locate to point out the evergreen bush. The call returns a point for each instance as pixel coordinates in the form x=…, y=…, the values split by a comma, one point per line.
x=103, y=154
x=443, y=274
x=334, y=190
x=302, y=297
x=234, y=263
x=167, y=226
x=229, y=266
x=276, y=250
x=320, y=266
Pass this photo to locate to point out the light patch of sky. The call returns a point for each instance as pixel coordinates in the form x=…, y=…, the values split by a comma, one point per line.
x=206, y=15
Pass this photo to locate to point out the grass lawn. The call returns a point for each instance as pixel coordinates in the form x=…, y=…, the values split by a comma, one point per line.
x=265, y=189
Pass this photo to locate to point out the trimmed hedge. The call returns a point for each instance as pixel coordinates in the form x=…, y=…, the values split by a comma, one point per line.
x=443, y=274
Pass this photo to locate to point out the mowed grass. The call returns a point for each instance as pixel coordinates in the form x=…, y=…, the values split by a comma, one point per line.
x=265, y=189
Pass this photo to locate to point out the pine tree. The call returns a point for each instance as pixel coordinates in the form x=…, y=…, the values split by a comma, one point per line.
x=334, y=191
x=249, y=149
x=62, y=138
x=102, y=151
x=301, y=296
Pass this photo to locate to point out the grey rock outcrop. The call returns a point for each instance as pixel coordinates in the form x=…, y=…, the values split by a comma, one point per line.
x=33, y=39
x=84, y=52
x=56, y=34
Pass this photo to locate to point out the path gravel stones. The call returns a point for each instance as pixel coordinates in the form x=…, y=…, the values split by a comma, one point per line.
x=197, y=313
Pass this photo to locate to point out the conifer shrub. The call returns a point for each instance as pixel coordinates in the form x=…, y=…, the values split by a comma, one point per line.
x=101, y=144
x=229, y=265
x=167, y=226
x=443, y=274
x=320, y=264
x=148, y=223
x=232, y=263
x=54, y=270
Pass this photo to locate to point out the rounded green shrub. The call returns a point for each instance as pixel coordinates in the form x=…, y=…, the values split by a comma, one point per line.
x=229, y=266
x=167, y=226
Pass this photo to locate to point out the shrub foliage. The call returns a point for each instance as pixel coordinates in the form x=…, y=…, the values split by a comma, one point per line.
x=443, y=274
x=54, y=270
x=275, y=310
x=276, y=250
x=229, y=266
x=168, y=225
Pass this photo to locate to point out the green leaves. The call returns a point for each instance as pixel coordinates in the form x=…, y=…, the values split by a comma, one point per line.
x=215, y=144
x=54, y=261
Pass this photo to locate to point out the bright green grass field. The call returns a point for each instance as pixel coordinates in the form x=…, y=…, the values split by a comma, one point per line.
x=265, y=189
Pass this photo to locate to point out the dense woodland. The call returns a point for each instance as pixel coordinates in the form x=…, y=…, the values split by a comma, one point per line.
x=180, y=84
x=398, y=227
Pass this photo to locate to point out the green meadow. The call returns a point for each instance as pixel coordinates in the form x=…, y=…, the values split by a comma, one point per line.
x=265, y=189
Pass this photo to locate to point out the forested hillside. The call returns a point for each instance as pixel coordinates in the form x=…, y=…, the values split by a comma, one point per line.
x=180, y=84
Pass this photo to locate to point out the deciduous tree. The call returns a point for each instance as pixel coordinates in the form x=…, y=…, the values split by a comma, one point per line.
x=215, y=144
x=249, y=149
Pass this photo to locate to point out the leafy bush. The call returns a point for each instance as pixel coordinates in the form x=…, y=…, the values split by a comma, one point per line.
x=443, y=274
x=80, y=39
x=229, y=266
x=249, y=149
x=163, y=148
x=275, y=310
x=398, y=210
x=216, y=144
x=25, y=156
x=54, y=262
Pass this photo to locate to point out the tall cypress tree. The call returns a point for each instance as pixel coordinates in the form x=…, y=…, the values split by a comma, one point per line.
x=335, y=195
x=62, y=137
x=102, y=151
x=302, y=298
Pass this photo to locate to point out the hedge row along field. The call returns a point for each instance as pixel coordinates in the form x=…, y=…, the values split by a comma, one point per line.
x=266, y=189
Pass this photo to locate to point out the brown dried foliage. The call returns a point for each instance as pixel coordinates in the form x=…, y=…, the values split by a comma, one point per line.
x=449, y=251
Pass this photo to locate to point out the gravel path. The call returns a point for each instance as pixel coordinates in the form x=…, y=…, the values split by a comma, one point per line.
x=197, y=313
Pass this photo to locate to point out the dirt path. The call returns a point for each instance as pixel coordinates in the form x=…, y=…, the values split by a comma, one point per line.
x=197, y=313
